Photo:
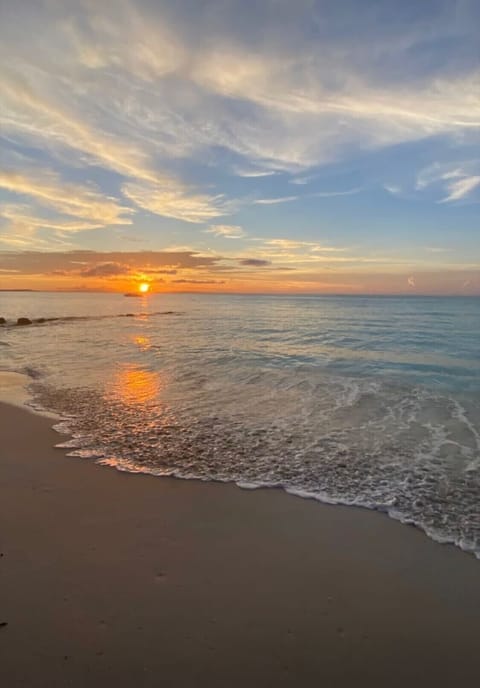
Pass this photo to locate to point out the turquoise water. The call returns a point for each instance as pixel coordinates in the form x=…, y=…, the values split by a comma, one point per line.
x=359, y=400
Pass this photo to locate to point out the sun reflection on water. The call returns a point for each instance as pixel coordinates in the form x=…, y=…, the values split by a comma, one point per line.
x=143, y=343
x=134, y=386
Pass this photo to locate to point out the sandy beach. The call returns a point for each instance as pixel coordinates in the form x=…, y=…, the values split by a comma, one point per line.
x=111, y=579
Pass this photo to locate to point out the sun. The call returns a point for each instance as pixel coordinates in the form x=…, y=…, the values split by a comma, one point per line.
x=143, y=287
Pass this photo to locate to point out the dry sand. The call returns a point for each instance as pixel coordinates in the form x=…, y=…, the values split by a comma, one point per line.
x=109, y=579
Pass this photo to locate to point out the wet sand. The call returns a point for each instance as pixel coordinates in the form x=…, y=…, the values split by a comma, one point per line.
x=110, y=579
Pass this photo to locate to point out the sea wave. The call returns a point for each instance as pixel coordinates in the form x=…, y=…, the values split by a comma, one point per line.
x=404, y=451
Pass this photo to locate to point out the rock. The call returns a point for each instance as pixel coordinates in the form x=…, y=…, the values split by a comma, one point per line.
x=40, y=320
x=3, y=624
x=3, y=321
x=24, y=321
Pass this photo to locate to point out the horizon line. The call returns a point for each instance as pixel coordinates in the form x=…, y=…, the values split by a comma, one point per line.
x=232, y=293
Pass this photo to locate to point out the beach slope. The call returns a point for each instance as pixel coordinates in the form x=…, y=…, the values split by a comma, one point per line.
x=110, y=579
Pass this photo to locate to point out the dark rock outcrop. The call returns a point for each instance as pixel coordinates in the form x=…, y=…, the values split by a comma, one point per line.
x=24, y=321
x=3, y=321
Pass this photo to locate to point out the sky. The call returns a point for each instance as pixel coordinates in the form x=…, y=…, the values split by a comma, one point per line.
x=315, y=146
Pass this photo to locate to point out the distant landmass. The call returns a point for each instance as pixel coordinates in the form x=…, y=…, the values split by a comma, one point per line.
x=17, y=289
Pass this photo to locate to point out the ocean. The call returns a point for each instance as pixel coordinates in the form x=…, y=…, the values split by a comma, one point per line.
x=368, y=401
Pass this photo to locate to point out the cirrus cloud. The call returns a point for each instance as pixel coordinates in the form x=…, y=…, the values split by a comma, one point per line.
x=227, y=231
x=176, y=202
x=69, y=199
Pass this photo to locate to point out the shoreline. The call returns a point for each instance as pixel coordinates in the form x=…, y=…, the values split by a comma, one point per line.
x=26, y=402
x=110, y=578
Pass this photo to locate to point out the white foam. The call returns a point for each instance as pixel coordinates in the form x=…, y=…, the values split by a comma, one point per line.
x=400, y=450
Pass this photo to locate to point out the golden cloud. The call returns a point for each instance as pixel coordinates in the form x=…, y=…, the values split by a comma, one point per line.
x=69, y=199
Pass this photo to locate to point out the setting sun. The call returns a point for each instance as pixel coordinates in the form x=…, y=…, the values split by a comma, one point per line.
x=143, y=287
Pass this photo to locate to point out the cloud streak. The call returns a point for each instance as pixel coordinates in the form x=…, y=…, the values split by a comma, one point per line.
x=227, y=231
x=457, y=180
x=69, y=199
x=176, y=202
x=18, y=216
x=274, y=201
x=461, y=188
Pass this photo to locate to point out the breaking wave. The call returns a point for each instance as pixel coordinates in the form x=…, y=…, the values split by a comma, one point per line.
x=406, y=451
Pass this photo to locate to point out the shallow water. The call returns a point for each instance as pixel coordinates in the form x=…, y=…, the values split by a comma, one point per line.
x=359, y=400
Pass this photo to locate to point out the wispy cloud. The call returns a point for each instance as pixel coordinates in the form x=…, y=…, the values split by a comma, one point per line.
x=274, y=201
x=253, y=172
x=38, y=116
x=21, y=239
x=301, y=181
x=316, y=194
x=461, y=188
x=441, y=173
x=69, y=199
x=19, y=217
x=393, y=189
x=177, y=203
x=227, y=231
x=331, y=194
x=456, y=180
x=294, y=244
